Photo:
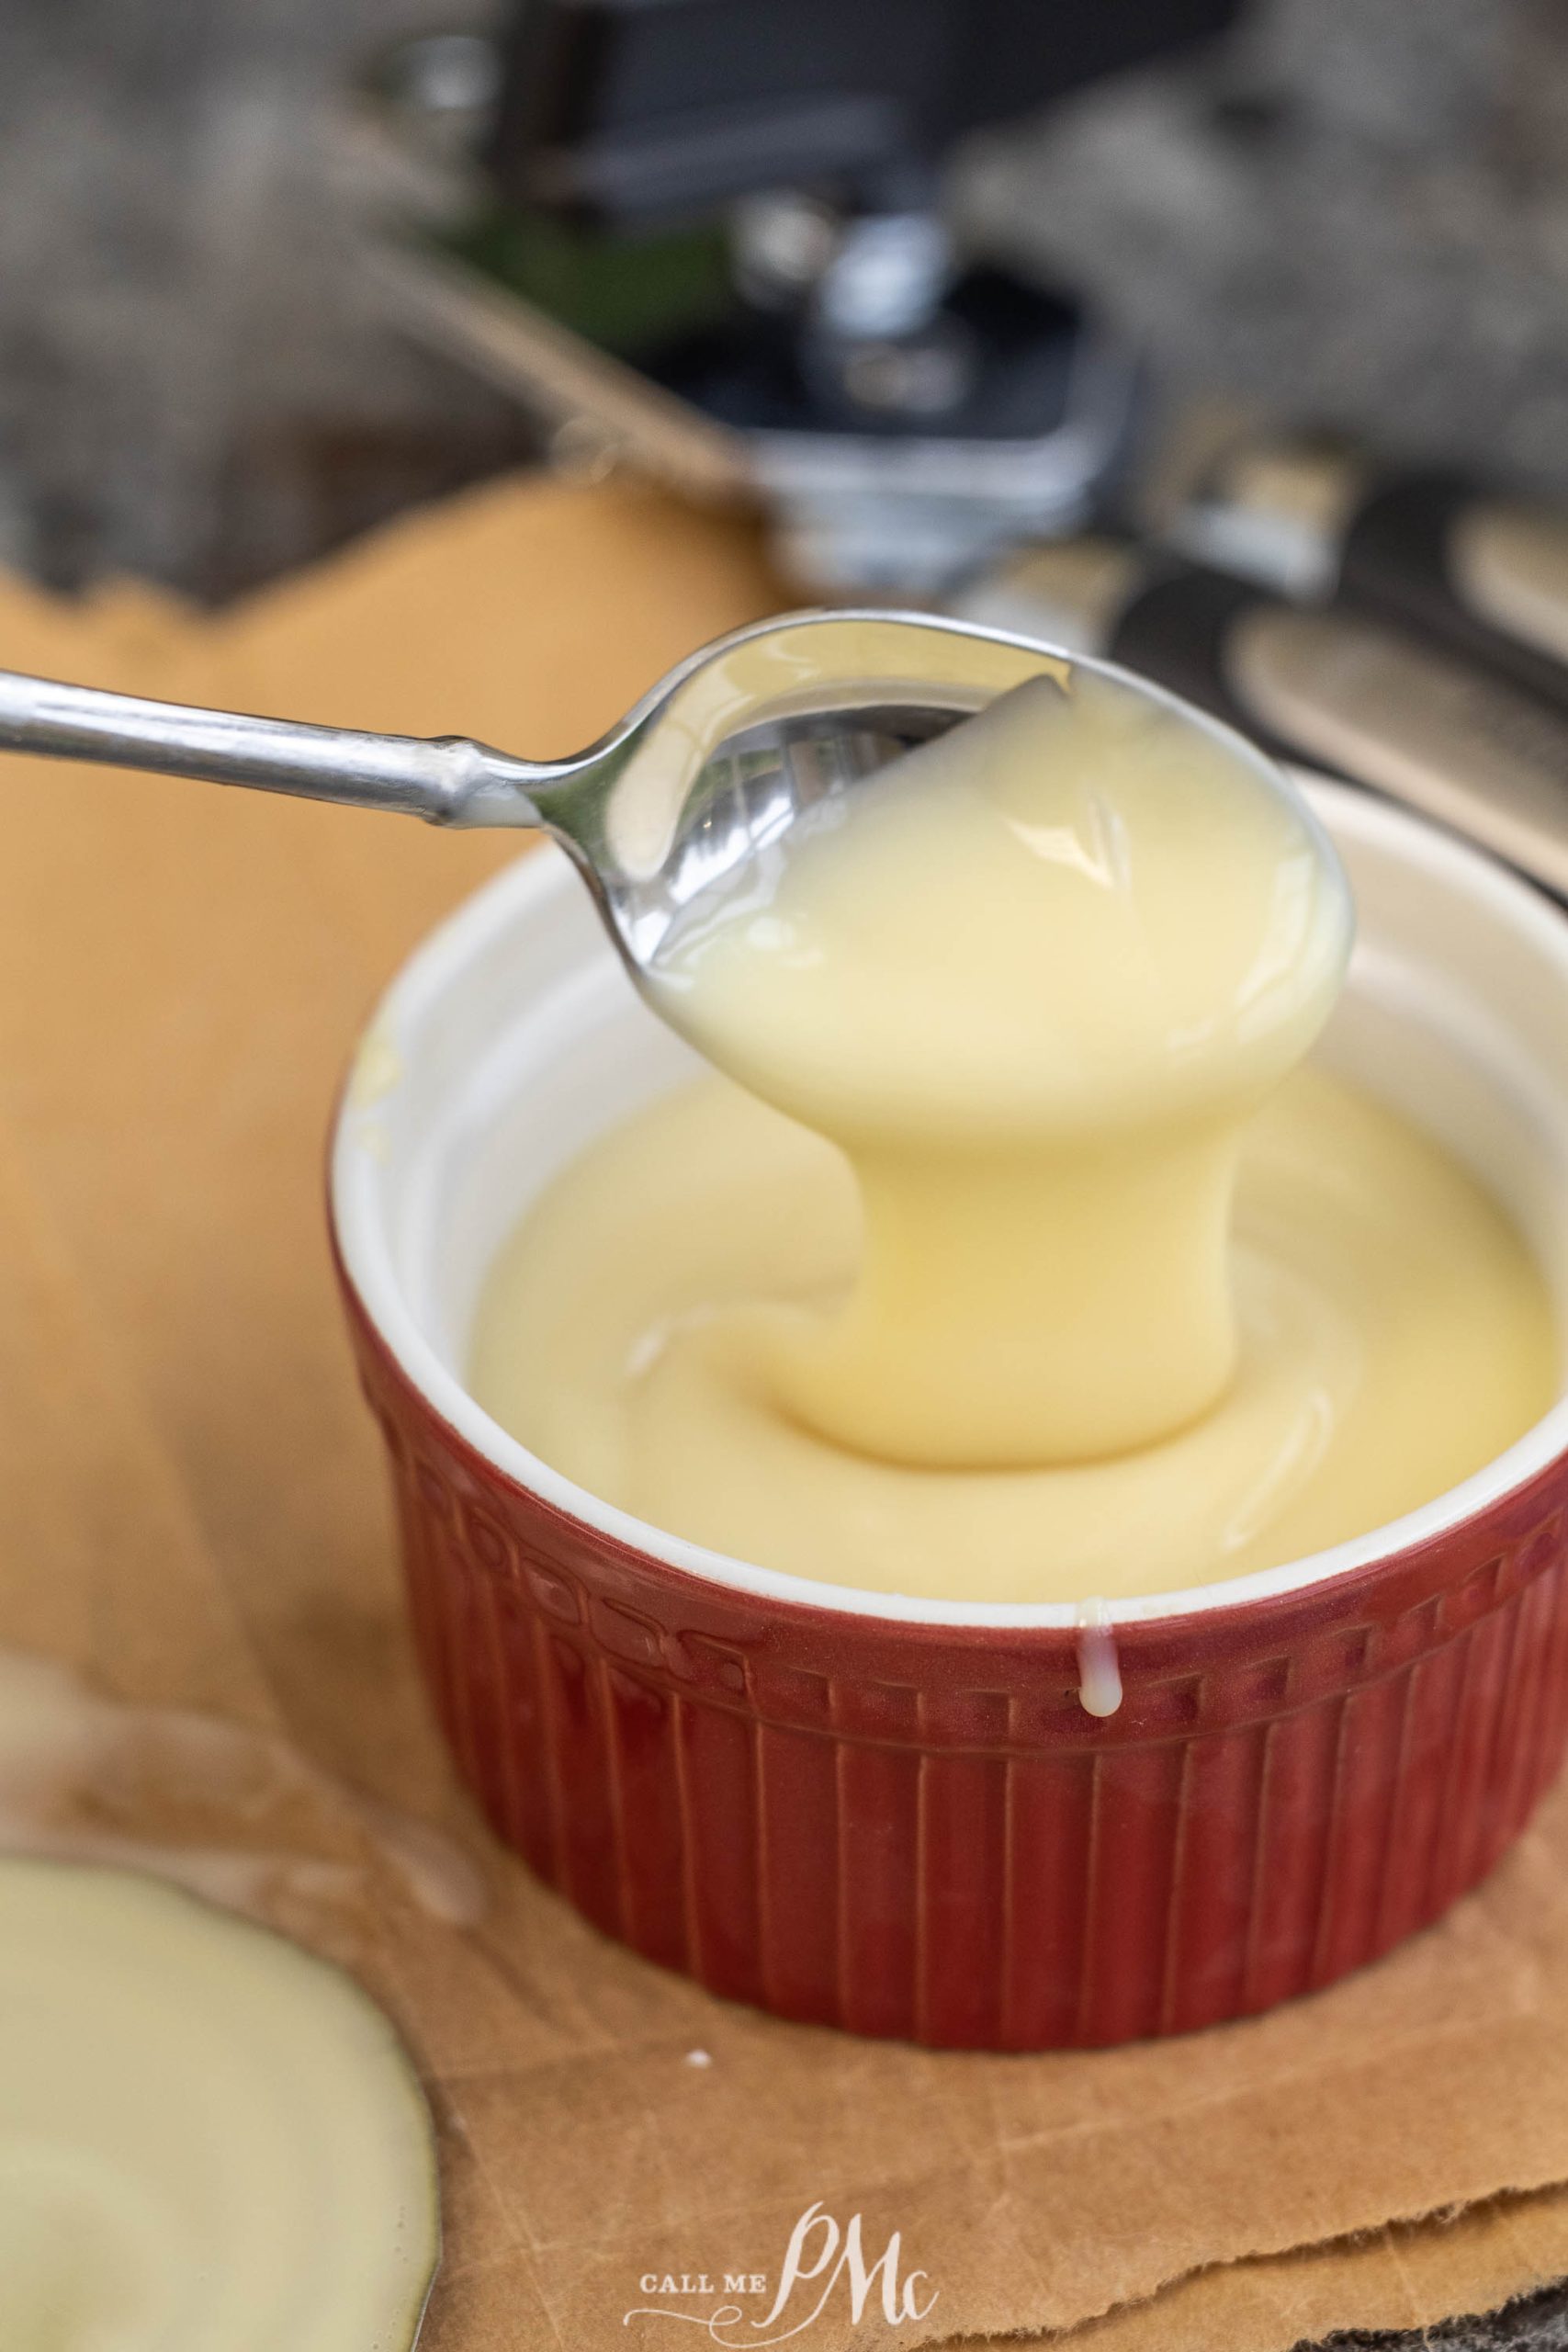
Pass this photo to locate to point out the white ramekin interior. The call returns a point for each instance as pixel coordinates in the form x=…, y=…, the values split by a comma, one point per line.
x=513, y=1037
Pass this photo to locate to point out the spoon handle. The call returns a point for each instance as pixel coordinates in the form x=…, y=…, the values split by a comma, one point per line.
x=447, y=780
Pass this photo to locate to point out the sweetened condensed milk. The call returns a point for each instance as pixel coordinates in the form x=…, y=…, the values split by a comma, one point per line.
x=1017, y=1255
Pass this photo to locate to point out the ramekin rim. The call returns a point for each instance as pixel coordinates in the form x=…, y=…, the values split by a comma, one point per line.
x=367, y=1274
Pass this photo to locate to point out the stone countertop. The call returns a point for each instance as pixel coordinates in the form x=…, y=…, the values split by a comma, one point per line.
x=1354, y=214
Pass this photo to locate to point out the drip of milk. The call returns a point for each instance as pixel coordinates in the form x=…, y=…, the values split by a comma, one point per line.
x=1099, y=1669
x=70, y=1757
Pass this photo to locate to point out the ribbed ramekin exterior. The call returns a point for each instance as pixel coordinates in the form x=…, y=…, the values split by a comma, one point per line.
x=916, y=1831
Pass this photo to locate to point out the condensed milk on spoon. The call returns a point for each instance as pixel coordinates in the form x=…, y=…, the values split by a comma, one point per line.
x=1033, y=980
x=1028, y=1265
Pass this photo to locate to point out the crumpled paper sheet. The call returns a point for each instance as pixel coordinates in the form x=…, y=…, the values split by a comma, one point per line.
x=192, y=1512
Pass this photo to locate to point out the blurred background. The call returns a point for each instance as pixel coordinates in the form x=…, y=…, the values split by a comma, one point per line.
x=272, y=270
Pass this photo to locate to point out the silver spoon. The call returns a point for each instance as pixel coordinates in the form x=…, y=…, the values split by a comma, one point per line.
x=708, y=768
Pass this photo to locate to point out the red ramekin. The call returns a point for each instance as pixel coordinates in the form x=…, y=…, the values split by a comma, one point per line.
x=896, y=1816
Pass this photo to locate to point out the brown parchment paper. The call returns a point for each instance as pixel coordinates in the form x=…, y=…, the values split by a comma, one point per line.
x=191, y=1512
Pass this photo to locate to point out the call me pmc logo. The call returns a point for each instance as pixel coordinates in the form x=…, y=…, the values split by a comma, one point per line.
x=822, y=2265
